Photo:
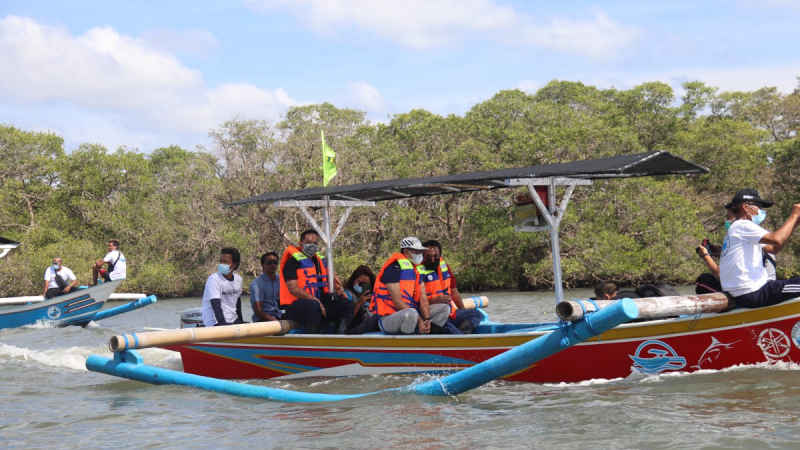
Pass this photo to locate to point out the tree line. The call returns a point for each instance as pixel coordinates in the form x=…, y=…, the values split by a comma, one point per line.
x=168, y=208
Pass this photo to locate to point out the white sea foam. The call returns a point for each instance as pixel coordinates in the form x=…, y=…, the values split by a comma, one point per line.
x=71, y=358
x=75, y=357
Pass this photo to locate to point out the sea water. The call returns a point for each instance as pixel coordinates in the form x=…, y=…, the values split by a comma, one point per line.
x=49, y=400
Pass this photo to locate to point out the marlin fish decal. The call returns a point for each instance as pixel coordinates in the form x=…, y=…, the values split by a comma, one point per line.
x=712, y=353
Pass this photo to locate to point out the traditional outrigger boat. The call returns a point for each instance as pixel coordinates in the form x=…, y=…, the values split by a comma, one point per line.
x=691, y=337
x=78, y=307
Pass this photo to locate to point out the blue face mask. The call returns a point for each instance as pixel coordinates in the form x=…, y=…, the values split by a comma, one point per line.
x=223, y=269
x=727, y=224
x=55, y=267
x=357, y=289
x=758, y=218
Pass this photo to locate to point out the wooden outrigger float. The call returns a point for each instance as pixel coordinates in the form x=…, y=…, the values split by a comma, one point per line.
x=690, y=336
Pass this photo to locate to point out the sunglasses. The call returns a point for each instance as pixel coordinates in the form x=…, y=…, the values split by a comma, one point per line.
x=271, y=261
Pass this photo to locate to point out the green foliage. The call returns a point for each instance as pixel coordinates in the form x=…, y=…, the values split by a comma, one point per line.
x=168, y=208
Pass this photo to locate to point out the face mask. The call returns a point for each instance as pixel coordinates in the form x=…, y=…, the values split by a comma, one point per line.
x=223, y=269
x=310, y=249
x=357, y=289
x=416, y=258
x=758, y=218
x=727, y=224
x=55, y=267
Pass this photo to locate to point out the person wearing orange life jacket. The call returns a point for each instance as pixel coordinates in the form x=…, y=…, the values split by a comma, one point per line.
x=305, y=293
x=440, y=285
x=399, y=298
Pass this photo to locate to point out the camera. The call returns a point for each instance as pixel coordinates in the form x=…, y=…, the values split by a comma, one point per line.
x=713, y=250
x=365, y=288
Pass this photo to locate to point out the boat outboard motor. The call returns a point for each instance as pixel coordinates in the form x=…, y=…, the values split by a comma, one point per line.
x=191, y=318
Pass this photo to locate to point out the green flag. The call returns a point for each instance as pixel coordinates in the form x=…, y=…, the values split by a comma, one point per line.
x=328, y=162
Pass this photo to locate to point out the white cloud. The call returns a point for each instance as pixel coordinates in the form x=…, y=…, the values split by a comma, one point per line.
x=105, y=72
x=366, y=97
x=424, y=24
x=187, y=42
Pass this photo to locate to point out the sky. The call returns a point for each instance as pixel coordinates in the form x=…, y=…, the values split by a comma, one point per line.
x=149, y=74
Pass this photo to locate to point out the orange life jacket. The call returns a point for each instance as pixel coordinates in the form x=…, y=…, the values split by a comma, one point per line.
x=437, y=282
x=307, y=277
x=381, y=302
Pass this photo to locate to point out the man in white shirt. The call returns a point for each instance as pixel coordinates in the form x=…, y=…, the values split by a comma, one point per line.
x=222, y=303
x=741, y=265
x=58, y=280
x=117, y=264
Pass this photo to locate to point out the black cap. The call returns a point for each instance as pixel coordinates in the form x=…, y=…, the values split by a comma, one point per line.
x=748, y=196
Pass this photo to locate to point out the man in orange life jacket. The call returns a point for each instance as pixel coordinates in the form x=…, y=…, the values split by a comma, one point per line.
x=304, y=286
x=440, y=285
x=399, y=297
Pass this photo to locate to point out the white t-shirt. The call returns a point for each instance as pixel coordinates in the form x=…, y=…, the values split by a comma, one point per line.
x=120, y=268
x=741, y=265
x=228, y=291
x=64, y=273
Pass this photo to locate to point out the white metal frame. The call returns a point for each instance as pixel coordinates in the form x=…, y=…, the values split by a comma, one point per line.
x=552, y=215
x=325, y=230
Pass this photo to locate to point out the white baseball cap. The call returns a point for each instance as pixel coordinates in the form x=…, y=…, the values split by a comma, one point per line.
x=412, y=243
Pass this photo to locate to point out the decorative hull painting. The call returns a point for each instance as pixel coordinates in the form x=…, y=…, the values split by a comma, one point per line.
x=708, y=341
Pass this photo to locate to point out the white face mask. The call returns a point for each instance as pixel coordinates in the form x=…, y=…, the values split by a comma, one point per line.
x=416, y=258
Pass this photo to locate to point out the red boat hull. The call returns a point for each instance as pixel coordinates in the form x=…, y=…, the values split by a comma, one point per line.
x=708, y=341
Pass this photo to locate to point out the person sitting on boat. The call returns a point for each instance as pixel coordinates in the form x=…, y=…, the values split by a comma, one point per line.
x=222, y=302
x=265, y=290
x=399, y=299
x=58, y=280
x=440, y=287
x=605, y=291
x=358, y=290
x=707, y=283
x=741, y=265
x=305, y=293
x=115, y=260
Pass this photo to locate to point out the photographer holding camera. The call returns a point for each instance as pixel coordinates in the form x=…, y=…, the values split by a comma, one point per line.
x=358, y=289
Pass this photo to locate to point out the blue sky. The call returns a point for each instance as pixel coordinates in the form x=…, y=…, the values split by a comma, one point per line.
x=147, y=74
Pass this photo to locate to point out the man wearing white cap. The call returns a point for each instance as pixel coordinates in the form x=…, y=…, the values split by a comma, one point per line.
x=399, y=297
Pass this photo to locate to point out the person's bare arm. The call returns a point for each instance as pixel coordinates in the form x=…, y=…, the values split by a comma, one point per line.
x=779, y=237
x=44, y=290
x=295, y=290
x=457, y=297
x=712, y=265
x=397, y=295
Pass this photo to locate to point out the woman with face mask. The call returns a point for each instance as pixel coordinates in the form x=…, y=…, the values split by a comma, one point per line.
x=741, y=267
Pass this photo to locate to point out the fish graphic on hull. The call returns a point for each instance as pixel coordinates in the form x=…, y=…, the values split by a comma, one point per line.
x=712, y=353
x=654, y=356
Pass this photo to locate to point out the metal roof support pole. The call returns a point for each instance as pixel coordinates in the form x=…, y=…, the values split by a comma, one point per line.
x=552, y=216
x=329, y=240
x=324, y=231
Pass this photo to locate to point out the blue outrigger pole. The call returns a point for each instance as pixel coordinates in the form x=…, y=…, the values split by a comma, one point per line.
x=128, y=364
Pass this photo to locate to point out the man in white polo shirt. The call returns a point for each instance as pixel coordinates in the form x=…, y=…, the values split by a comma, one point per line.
x=58, y=280
x=741, y=265
x=222, y=303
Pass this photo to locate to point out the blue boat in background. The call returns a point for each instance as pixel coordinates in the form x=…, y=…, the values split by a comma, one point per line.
x=75, y=308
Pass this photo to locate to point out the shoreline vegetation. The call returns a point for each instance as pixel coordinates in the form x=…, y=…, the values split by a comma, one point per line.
x=167, y=207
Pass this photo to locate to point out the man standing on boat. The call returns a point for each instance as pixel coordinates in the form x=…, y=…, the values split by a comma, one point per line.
x=304, y=286
x=265, y=290
x=741, y=265
x=440, y=287
x=399, y=297
x=58, y=280
x=117, y=265
x=222, y=302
